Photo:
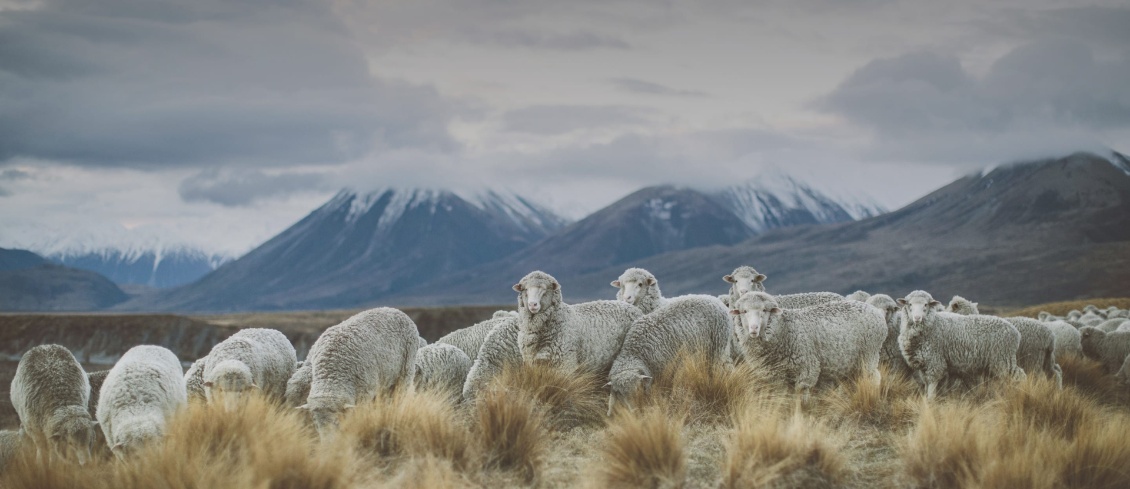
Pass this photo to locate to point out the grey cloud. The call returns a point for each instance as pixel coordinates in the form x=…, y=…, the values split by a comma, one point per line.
x=559, y=119
x=14, y=175
x=579, y=40
x=139, y=83
x=244, y=187
x=635, y=85
x=925, y=105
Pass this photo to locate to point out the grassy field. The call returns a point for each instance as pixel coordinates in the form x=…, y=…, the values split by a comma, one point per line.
x=702, y=425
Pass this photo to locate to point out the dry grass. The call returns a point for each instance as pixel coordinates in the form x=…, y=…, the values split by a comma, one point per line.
x=769, y=448
x=1062, y=308
x=408, y=425
x=890, y=405
x=707, y=392
x=566, y=400
x=1089, y=378
x=644, y=449
x=511, y=430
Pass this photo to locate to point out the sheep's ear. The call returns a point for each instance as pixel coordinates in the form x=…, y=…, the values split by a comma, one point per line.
x=935, y=304
x=616, y=283
x=348, y=407
x=518, y=287
x=554, y=285
x=118, y=446
x=901, y=302
x=729, y=278
x=304, y=407
x=650, y=281
x=975, y=304
x=735, y=312
x=953, y=307
x=775, y=310
x=208, y=385
x=608, y=386
x=759, y=278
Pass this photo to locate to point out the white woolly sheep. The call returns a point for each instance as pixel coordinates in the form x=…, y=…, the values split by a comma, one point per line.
x=1091, y=319
x=1111, y=325
x=829, y=342
x=194, y=381
x=941, y=344
x=421, y=342
x=471, y=338
x=892, y=314
x=568, y=336
x=50, y=392
x=499, y=351
x=364, y=356
x=298, y=386
x=143, y=390
x=744, y=279
x=859, y=296
x=689, y=323
x=1037, y=343
x=1074, y=315
x=441, y=367
x=1067, y=338
x=251, y=359
x=1110, y=349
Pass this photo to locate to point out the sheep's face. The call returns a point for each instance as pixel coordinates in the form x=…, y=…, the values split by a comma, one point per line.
x=535, y=291
x=745, y=279
x=917, y=307
x=73, y=437
x=756, y=310
x=326, y=413
x=1089, y=337
x=624, y=386
x=1074, y=315
x=229, y=382
x=132, y=441
x=633, y=284
x=963, y=306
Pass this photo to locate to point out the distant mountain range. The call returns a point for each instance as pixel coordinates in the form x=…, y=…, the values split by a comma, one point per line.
x=29, y=282
x=158, y=268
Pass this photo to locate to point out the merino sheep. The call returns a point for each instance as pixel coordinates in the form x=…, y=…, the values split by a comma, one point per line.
x=143, y=390
x=1037, y=342
x=194, y=381
x=1091, y=319
x=1110, y=349
x=1111, y=325
x=471, y=338
x=499, y=351
x=691, y=323
x=298, y=386
x=569, y=336
x=892, y=313
x=50, y=392
x=859, y=296
x=1067, y=338
x=441, y=367
x=364, y=356
x=745, y=279
x=421, y=342
x=941, y=344
x=829, y=342
x=251, y=359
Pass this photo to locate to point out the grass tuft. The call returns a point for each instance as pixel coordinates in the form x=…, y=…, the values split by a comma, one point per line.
x=511, y=430
x=769, y=449
x=644, y=448
x=405, y=425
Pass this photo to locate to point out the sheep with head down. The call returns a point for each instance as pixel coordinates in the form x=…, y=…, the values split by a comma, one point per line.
x=1037, y=341
x=51, y=393
x=251, y=360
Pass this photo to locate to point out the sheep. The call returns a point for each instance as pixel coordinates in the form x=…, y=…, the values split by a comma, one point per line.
x=441, y=367
x=691, y=323
x=639, y=288
x=1074, y=315
x=745, y=279
x=96, y=379
x=1067, y=338
x=1110, y=349
x=1090, y=308
x=471, y=338
x=941, y=344
x=890, y=354
x=1091, y=319
x=859, y=296
x=1111, y=324
x=421, y=342
x=143, y=390
x=255, y=359
x=499, y=351
x=1121, y=313
x=194, y=381
x=298, y=386
x=827, y=342
x=50, y=392
x=10, y=444
x=364, y=356
x=1037, y=343
x=568, y=336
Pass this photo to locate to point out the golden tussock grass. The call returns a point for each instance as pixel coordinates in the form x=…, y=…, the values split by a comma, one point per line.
x=511, y=429
x=1089, y=378
x=567, y=400
x=644, y=448
x=770, y=448
x=406, y=425
x=710, y=392
x=891, y=404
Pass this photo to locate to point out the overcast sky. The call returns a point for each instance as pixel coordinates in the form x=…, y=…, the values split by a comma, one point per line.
x=221, y=122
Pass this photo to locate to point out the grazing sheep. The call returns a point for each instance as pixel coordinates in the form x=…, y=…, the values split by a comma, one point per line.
x=859, y=296
x=807, y=299
x=892, y=313
x=1067, y=338
x=194, y=381
x=1110, y=349
x=50, y=392
x=1037, y=343
x=1121, y=313
x=441, y=367
x=1111, y=325
x=10, y=444
x=364, y=356
x=1074, y=315
x=1090, y=308
x=143, y=390
x=251, y=359
x=691, y=323
x=829, y=342
x=298, y=386
x=421, y=342
x=941, y=344
x=471, y=338
x=499, y=350
x=568, y=336
x=1091, y=319
x=96, y=379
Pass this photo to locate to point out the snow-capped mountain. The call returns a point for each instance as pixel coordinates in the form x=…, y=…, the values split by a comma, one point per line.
x=775, y=198
x=361, y=246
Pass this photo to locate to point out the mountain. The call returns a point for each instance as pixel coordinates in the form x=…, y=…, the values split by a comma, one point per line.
x=28, y=282
x=157, y=267
x=360, y=247
x=776, y=199
x=1015, y=235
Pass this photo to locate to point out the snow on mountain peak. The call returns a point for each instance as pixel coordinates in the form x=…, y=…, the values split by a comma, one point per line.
x=396, y=201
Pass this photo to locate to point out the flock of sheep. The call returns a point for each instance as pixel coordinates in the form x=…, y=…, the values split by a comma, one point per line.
x=810, y=339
